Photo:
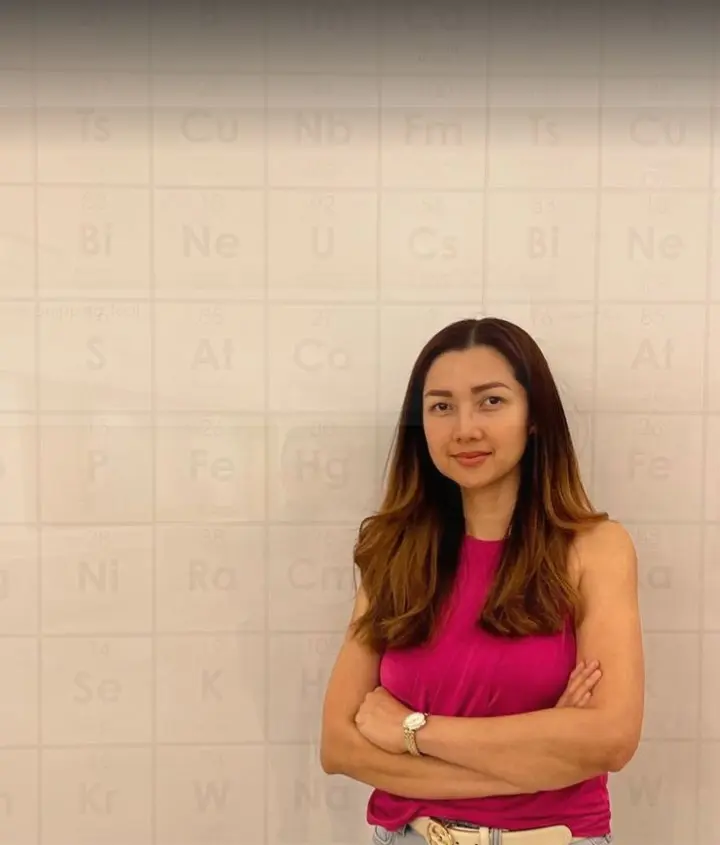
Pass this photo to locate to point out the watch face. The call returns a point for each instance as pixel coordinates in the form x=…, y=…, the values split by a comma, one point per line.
x=414, y=721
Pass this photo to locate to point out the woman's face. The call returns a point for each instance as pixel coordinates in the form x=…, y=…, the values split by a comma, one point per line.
x=475, y=416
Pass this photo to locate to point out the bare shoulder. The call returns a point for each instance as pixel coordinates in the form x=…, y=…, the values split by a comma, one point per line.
x=606, y=548
x=603, y=553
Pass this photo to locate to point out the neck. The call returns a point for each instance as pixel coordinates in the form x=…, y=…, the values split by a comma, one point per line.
x=488, y=510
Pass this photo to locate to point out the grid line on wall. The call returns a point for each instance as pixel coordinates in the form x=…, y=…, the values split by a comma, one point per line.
x=509, y=190
x=706, y=364
x=154, y=441
x=38, y=437
x=378, y=287
x=267, y=417
x=180, y=72
x=487, y=68
x=597, y=263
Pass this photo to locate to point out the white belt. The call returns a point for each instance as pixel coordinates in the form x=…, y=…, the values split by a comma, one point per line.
x=436, y=833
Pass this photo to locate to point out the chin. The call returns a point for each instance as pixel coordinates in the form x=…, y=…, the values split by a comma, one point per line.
x=470, y=478
x=477, y=484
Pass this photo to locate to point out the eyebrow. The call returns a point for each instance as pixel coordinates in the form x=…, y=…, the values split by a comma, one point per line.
x=479, y=388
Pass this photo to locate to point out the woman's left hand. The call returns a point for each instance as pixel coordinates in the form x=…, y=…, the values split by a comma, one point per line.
x=380, y=720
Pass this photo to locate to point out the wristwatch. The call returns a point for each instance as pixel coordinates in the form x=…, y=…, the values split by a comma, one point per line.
x=411, y=725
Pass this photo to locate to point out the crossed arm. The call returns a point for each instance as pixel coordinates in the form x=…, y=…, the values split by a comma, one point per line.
x=345, y=751
x=549, y=749
x=552, y=749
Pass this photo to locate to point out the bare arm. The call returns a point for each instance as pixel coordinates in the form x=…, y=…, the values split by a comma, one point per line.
x=552, y=749
x=344, y=751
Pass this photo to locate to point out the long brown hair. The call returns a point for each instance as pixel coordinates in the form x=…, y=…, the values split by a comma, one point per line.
x=408, y=551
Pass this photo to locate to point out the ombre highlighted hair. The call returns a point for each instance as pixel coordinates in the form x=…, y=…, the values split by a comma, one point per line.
x=407, y=552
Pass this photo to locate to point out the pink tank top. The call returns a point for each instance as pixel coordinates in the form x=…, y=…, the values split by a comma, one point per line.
x=466, y=672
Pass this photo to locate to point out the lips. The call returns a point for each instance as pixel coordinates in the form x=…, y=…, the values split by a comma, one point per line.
x=471, y=459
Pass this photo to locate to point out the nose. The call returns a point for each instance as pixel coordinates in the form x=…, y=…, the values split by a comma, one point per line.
x=466, y=425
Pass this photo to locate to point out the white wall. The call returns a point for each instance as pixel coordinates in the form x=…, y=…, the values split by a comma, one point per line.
x=208, y=316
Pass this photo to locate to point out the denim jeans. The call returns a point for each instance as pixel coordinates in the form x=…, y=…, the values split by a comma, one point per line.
x=408, y=836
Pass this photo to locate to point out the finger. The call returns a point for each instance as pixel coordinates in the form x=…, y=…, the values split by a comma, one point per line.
x=591, y=680
x=580, y=666
x=579, y=680
x=584, y=699
x=578, y=670
x=587, y=680
x=595, y=679
x=588, y=667
x=586, y=687
x=582, y=676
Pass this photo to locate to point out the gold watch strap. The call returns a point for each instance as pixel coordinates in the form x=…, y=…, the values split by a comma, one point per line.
x=411, y=744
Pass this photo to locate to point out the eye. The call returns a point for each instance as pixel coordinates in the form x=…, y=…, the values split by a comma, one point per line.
x=494, y=401
x=439, y=406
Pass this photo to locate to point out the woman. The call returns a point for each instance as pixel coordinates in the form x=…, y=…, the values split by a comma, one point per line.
x=486, y=579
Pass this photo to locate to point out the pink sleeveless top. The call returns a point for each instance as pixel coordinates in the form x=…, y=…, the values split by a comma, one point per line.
x=466, y=672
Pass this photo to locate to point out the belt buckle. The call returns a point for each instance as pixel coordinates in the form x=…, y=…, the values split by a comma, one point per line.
x=438, y=834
